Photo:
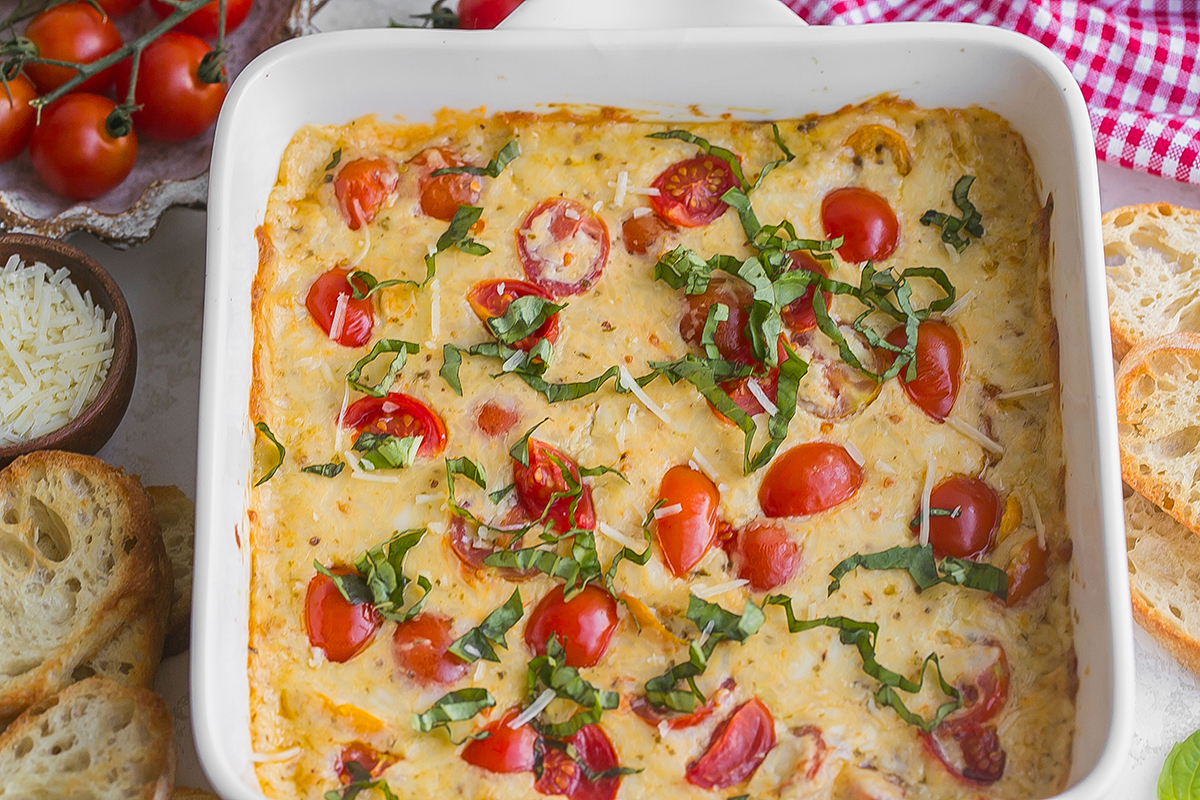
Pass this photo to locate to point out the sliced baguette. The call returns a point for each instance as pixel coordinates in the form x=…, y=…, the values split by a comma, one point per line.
x=81, y=559
x=185, y=793
x=177, y=517
x=1158, y=423
x=95, y=740
x=133, y=656
x=1152, y=262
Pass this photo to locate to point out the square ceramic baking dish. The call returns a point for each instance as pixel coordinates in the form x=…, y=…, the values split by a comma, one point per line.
x=768, y=67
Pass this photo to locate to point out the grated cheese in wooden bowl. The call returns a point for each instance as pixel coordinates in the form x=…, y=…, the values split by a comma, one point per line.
x=56, y=348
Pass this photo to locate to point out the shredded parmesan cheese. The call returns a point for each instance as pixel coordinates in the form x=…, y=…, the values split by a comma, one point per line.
x=571, y=213
x=951, y=252
x=356, y=470
x=271, y=758
x=648, y=191
x=1032, y=390
x=642, y=211
x=337, y=425
x=622, y=187
x=629, y=383
x=706, y=592
x=667, y=511
x=536, y=707
x=884, y=466
x=974, y=435
x=338, y=326
x=855, y=453
x=1038, y=525
x=616, y=535
x=705, y=465
x=596, y=206
x=435, y=311
x=925, y=493
x=762, y=398
x=959, y=304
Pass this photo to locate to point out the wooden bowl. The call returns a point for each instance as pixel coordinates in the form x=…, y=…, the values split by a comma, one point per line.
x=97, y=422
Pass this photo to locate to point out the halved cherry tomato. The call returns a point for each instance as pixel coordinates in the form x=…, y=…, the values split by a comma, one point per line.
x=398, y=415
x=491, y=298
x=561, y=775
x=337, y=626
x=496, y=419
x=584, y=624
x=689, y=191
x=442, y=195
x=831, y=388
x=738, y=746
x=563, y=246
x=205, y=21
x=730, y=335
x=810, y=477
x=640, y=233
x=972, y=754
x=71, y=32
x=765, y=555
x=480, y=14
x=358, y=319
x=362, y=187
x=641, y=706
x=864, y=220
x=504, y=749
x=967, y=528
x=983, y=682
x=472, y=550
x=72, y=151
x=798, y=315
x=17, y=117
x=176, y=105
x=420, y=648
x=939, y=368
x=686, y=536
x=537, y=484
x=364, y=754
x=739, y=392
x=1026, y=571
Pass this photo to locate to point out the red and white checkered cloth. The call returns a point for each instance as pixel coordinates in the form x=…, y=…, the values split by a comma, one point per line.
x=1136, y=61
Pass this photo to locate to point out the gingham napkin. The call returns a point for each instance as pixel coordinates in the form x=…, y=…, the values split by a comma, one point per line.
x=1135, y=60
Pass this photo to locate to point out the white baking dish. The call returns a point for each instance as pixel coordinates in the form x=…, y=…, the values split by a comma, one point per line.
x=773, y=70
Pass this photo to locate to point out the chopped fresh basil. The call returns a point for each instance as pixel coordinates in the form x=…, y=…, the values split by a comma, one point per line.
x=380, y=580
x=383, y=451
x=401, y=348
x=520, y=449
x=550, y=671
x=454, y=707
x=573, y=754
x=708, y=149
x=523, y=317
x=334, y=160
x=369, y=284
x=501, y=493
x=360, y=780
x=457, y=236
x=501, y=160
x=952, y=227
x=717, y=313
x=920, y=564
x=478, y=642
x=451, y=363
x=330, y=470
x=788, y=157
x=262, y=428
x=468, y=469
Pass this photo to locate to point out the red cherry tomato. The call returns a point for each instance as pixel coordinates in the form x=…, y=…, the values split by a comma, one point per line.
x=71, y=32
x=809, y=478
x=358, y=319
x=983, y=682
x=365, y=755
x=584, y=624
x=689, y=191
x=864, y=220
x=1026, y=571
x=496, y=419
x=561, y=775
x=739, y=392
x=72, y=151
x=730, y=335
x=205, y=21
x=480, y=14
x=504, y=749
x=640, y=233
x=563, y=246
x=685, y=537
x=492, y=298
x=641, y=706
x=537, y=484
x=17, y=117
x=798, y=315
x=738, y=746
x=973, y=754
x=765, y=555
x=175, y=104
x=967, y=529
x=463, y=539
x=362, y=187
x=939, y=368
x=398, y=415
x=442, y=195
x=340, y=628
x=118, y=8
x=420, y=648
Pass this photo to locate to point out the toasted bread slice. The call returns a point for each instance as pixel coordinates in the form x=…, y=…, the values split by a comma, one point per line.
x=185, y=793
x=1158, y=423
x=1152, y=260
x=81, y=559
x=96, y=739
x=132, y=657
x=177, y=518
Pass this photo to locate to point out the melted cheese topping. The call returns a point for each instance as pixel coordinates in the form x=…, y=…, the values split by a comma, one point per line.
x=809, y=681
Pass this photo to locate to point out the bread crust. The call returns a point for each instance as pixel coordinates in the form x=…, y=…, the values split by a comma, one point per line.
x=177, y=517
x=138, y=581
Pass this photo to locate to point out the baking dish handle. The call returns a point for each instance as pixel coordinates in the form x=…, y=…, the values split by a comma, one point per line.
x=648, y=14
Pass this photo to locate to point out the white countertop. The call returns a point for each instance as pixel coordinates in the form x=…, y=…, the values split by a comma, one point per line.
x=163, y=282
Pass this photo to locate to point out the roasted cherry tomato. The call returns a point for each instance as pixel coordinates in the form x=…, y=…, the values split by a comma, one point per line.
x=1026, y=571
x=730, y=335
x=561, y=775
x=118, y=8
x=765, y=555
x=420, y=648
x=504, y=749
x=968, y=513
x=939, y=368
x=492, y=298
x=972, y=753
x=480, y=14
x=398, y=415
x=739, y=392
x=442, y=195
x=641, y=706
x=685, y=536
x=72, y=151
x=71, y=32
x=362, y=187
x=176, y=105
x=563, y=246
x=364, y=754
x=358, y=317
x=496, y=419
x=831, y=388
x=798, y=315
x=809, y=478
x=689, y=191
x=205, y=21
x=463, y=538
x=738, y=746
x=17, y=117
x=983, y=678
x=584, y=624
x=640, y=233
x=865, y=222
x=537, y=484
x=336, y=625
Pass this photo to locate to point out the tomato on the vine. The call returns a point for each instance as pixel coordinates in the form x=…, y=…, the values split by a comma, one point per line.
x=964, y=515
x=204, y=21
x=538, y=483
x=938, y=366
x=335, y=625
x=76, y=32
x=73, y=152
x=563, y=246
x=864, y=220
x=810, y=477
x=421, y=649
x=686, y=534
x=17, y=117
x=480, y=14
x=738, y=746
x=362, y=187
x=442, y=195
x=584, y=624
x=401, y=416
x=176, y=104
x=357, y=316
x=119, y=8
x=689, y=191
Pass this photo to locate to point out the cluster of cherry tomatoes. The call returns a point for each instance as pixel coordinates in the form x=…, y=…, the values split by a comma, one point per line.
x=84, y=143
